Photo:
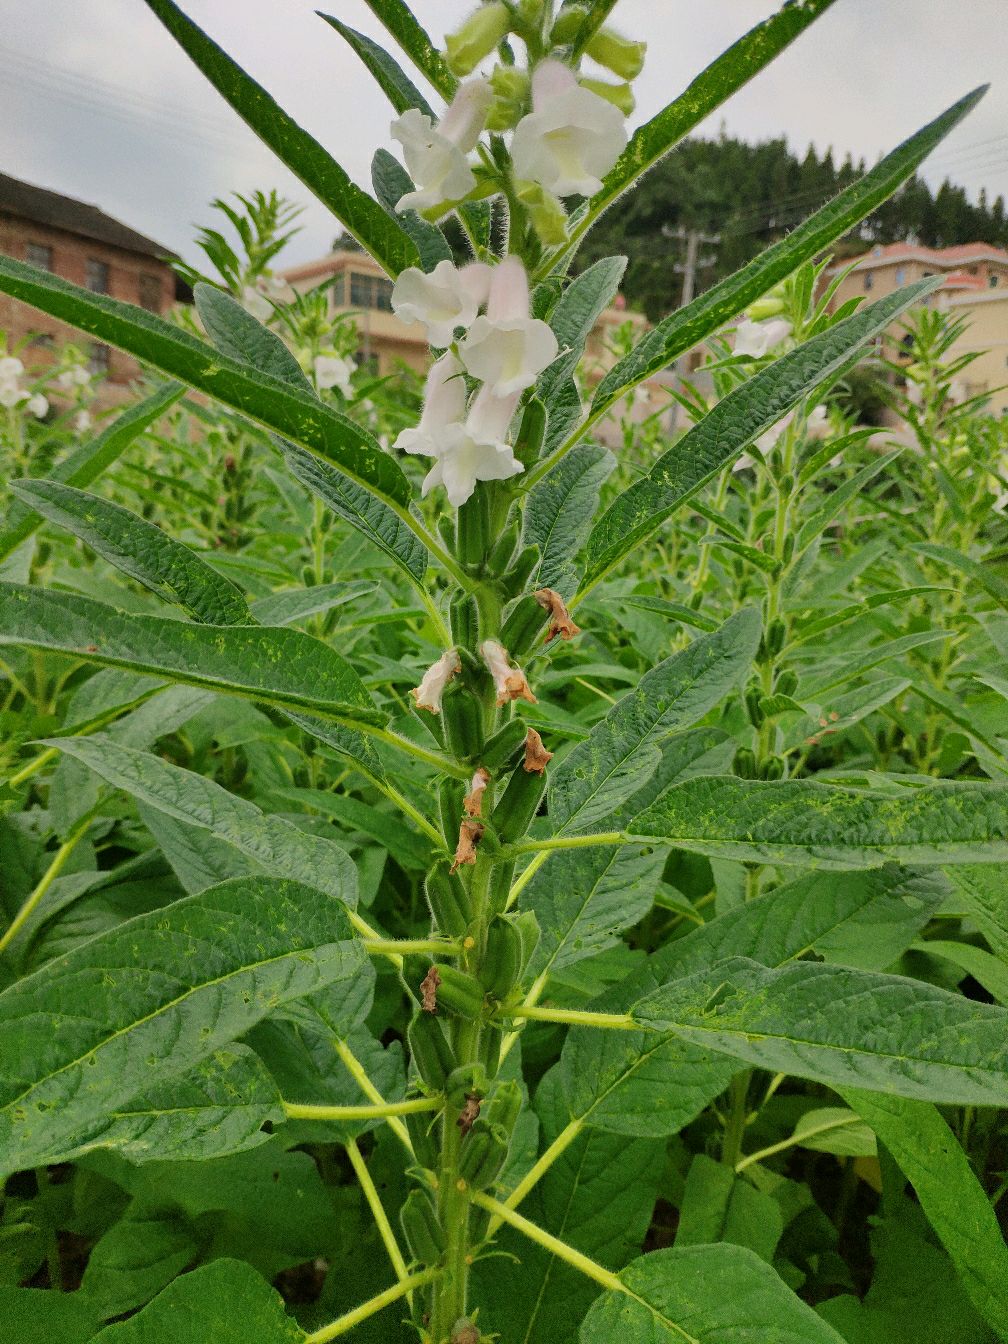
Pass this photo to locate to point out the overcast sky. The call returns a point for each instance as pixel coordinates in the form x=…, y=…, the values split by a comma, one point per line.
x=98, y=102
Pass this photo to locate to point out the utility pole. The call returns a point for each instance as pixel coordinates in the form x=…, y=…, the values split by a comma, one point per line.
x=688, y=268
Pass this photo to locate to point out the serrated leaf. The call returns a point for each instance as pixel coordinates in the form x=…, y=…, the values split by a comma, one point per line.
x=950, y=1194
x=741, y=416
x=703, y=1295
x=358, y=212
x=140, y=549
x=276, y=846
x=163, y=991
x=686, y=327
x=87, y=462
x=828, y=826
x=841, y=1027
x=278, y=665
x=559, y=510
x=620, y=753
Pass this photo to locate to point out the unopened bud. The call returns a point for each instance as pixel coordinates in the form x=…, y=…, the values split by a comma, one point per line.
x=769, y=306
x=568, y=24
x=617, y=53
x=482, y=31
x=549, y=219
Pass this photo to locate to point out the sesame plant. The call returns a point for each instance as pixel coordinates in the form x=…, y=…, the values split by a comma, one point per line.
x=446, y=976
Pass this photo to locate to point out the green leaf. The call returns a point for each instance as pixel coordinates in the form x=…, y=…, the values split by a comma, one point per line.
x=392, y=182
x=163, y=991
x=399, y=21
x=983, y=888
x=950, y=1194
x=270, y=401
x=986, y=970
x=719, y=1207
x=972, y=569
x=703, y=1295
x=219, y=1107
x=138, y=1256
x=140, y=549
x=584, y=301
x=834, y=1129
x=276, y=664
x=621, y=752
x=828, y=826
x=410, y=850
x=87, y=462
x=237, y=333
x=559, y=511
x=40, y=1316
x=225, y=1302
x=277, y=847
x=841, y=1027
x=735, y=421
x=821, y=517
x=358, y=212
x=387, y=74
x=290, y=605
x=685, y=328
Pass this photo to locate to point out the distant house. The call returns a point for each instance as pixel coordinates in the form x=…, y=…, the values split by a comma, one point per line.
x=84, y=245
x=967, y=268
x=986, y=332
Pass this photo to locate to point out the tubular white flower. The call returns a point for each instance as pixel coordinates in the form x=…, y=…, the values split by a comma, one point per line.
x=37, y=404
x=82, y=421
x=334, y=371
x=433, y=682
x=77, y=376
x=11, y=394
x=571, y=138
x=477, y=450
x=443, y=409
x=757, y=338
x=436, y=155
x=507, y=349
x=443, y=299
x=11, y=369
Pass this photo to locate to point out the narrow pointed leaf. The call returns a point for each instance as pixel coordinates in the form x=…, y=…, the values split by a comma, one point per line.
x=400, y=22
x=401, y=92
x=685, y=328
x=720, y=1294
x=140, y=549
x=358, y=212
x=237, y=333
x=734, y=422
x=295, y=413
x=275, y=664
x=162, y=991
x=841, y=1027
x=828, y=826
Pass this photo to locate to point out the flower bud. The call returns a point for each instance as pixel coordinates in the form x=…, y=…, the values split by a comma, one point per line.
x=620, y=95
x=481, y=32
x=617, y=53
x=769, y=306
x=549, y=219
x=512, y=91
x=568, y=24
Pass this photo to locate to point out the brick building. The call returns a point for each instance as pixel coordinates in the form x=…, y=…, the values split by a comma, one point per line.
x=84, y=245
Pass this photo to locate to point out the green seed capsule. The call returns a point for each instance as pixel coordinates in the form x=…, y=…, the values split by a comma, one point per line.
x=518, y=805
x=424, y=1234
x=504, y=1107
x=463, y=617
x=422, y=1136
x=531, y=433
x=504, y=548
x=484, y=1152
x=501, y=749
x=787, y=682
x=752, y=697
x=528, y=929
x=450, y=795
x=523, y=625
x=467, y=1080
x=460, y=993
x=446, y=528
x=776, y=634
x=517, y=577
x=430, y=1050
x=490, y=1048
x=462, y=714
x=773, y=768
x=745, y=763
x=502, y=963
x=473, y=530
x=448, y=900
x=500, y=887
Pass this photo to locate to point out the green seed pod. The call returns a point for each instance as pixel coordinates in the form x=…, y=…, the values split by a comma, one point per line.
x=446, y=528
x=463, y=617
x=517, y=577
x=504, y=548
x=500, y=887
x=462, y=714
x=531, y=432
x=450, y=794
x=473, y=530
x=424, y=1234
x=501, y=749
x=484, y=1152
x=467, y=1080
x=523, y=625
x=448, y=900
x=517, y=807
x=528, y=929
x=430, y=1050
x=773, y=768
x=489, y=1049
x=422, y=1136
x=776, y=634
x=787, y=682
x=752, y=699
x=504, y=1107
x=461, y=993
x=502, y=963
x=745, y=763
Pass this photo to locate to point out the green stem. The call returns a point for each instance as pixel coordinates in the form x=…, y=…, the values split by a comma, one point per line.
x=28, y=770
x=795, y=1140
x=343, y=1324
x=738, y=1115
x=359, y=1074
x=410, y=947
x=559, y=1248
x=574, y=1017
x=48, y=878
x=443, y=764
x=296, y=1110
x=563, y=842
x=559, y=1146
x=378, y=1213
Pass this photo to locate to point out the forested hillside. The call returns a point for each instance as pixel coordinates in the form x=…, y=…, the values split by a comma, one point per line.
x=751, y=195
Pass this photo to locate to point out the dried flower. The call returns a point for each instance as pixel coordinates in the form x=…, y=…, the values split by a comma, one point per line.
x=560, y=622
x=470, y=834
x=469, y=1113
x=432, y=685
x=508, y=679
x=536, y=756
x=473, y=801
x=428, y=990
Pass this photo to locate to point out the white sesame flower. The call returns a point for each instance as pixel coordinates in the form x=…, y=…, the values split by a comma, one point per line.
x=436, y=155
x=509, y=680
x=443, y=409
x=76, y=376
x=334, y=371
x=11, y=369
x=477, y=450
x=443, y=299
x=432, y=685
x=37, y=404
x=757, y=338
x=82, y=421
x=571, y=138
x=507, y=349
